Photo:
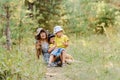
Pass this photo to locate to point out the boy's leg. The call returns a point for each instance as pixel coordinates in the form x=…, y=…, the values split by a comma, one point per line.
x=61, y=58
x=63, y=55
x=51, y=59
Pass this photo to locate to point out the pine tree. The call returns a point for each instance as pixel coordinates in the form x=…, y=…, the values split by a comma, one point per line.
x=5, y=6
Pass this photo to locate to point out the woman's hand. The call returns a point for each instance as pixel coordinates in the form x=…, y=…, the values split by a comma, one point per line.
x=37, y=45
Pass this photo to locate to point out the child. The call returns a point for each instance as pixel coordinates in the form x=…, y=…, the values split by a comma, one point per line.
x=42, y=44
x=61, y=41
x=55, y=53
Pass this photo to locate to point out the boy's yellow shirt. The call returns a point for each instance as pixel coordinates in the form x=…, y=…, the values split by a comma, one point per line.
x=51, y=45
x=61, y=40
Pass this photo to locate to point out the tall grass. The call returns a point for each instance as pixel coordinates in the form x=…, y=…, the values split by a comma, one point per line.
x=98, y=57
x=21, y=63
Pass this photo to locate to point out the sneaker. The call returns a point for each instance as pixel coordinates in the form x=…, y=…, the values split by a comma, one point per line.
x=51, y=65
x=54, y=64
x=59, y=65
x=64, y=64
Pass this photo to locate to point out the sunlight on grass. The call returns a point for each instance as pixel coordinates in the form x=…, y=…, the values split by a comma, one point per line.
x=99, y=58
x=21, y=63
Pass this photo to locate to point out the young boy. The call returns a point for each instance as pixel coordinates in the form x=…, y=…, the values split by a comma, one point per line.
x=55, y=52
x=61, y=41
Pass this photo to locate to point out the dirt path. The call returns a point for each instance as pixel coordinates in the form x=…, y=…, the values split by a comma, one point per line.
x=56, y=73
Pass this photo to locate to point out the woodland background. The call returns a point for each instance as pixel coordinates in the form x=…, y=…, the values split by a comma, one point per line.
x=93, y=27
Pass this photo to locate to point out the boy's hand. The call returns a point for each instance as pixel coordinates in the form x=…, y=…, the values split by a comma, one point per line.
x=55, y=44
x=65, y=44
x=52, y=48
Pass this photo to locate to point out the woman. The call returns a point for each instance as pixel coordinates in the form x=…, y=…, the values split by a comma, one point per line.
x=42, y=44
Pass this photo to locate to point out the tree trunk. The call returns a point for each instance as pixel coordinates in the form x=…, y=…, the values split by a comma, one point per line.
x=8, y=38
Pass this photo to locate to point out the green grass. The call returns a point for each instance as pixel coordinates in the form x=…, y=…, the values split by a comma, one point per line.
x=99, y=58
x=21, y=63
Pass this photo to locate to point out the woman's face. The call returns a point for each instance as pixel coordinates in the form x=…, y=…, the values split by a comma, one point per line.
x=43, y=35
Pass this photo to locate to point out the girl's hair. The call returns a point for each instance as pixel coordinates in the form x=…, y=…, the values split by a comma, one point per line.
x=38, y=43
x=50, y=36
x=37, y=37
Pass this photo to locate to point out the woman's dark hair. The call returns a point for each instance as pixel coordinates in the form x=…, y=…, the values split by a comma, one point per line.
x=38, y=42
x=37, y=37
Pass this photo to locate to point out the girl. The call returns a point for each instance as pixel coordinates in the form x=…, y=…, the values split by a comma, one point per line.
x=42, y=44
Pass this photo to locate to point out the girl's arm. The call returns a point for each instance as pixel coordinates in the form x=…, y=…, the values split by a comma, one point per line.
x=38, y=49
x=51, y=48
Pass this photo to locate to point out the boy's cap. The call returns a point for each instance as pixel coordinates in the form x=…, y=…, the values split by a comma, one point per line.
x=57, y=29
x=39, y=30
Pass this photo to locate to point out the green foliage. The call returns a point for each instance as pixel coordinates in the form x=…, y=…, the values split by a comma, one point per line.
x=87, y=16
x=47, y=13
x=97, y=58
x=76, y=17
x=21, y=63
x=105, y=14
x=79, y=16
x=19, y=21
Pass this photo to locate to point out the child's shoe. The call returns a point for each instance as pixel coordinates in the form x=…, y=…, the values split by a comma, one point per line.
x=51, y=65
x=63, y=64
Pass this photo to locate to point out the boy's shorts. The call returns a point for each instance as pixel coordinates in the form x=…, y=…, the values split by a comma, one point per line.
x=57, y=51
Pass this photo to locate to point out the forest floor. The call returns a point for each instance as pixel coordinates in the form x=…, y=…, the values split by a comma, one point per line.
x=59, y=73
x=56, y=73
x=98, y=58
